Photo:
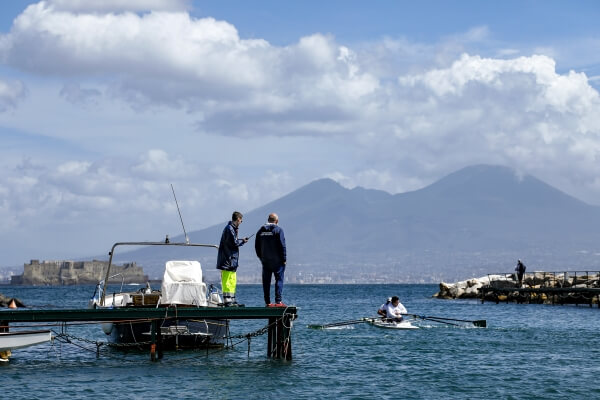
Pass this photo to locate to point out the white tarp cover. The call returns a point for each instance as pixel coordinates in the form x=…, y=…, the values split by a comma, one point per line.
x=182, y=284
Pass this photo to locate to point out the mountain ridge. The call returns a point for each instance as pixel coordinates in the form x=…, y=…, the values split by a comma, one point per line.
x=480, y=209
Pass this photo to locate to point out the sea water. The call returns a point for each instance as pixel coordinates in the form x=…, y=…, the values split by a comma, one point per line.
x=526, y=352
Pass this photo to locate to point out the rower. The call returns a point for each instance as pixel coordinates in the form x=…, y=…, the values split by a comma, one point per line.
x=395, y=310
x=383, y=309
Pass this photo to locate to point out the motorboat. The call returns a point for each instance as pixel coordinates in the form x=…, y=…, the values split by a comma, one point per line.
x=389, y=324
x=182, y=287
x=18, y=339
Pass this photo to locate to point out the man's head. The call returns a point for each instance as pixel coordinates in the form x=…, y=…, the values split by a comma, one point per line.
x=236, y=218
x=273, y=218
x=395, y=300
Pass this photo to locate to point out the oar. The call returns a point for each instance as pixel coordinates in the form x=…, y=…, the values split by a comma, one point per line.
x=335, y=324
x=481, y=323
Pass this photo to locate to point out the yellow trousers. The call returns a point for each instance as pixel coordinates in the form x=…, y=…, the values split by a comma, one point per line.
x=228, y=282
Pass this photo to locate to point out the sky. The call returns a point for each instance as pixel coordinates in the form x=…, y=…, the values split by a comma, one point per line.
x=104, y=104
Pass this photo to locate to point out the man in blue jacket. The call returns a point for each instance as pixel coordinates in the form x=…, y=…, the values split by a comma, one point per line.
x=270, y=249
x=228, y=257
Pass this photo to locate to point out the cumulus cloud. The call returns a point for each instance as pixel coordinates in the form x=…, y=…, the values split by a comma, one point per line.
x=168, y=47
x=118, y=5
x=201, y=65
x=117, y=192
x=518, y=112
x=75, y=94
x=393, y=114
x=158, y=163
x=11, y=93
x=404, y=105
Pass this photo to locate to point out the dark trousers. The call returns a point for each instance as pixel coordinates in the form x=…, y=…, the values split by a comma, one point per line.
x=267, y=272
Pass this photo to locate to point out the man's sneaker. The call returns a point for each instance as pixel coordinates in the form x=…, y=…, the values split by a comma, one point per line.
x=279, y=304
x=270, y=305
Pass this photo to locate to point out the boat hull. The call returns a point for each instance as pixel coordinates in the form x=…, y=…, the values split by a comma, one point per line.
x=19, y=339
x=175, y=334
x=406, y=325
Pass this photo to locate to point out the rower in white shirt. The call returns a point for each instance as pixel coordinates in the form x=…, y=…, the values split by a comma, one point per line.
x=395, y=310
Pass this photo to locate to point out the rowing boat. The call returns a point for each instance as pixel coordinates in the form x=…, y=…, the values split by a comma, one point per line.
x=380, y=323
x=19, y=339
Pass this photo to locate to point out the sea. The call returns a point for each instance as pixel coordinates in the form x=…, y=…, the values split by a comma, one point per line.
x=527, y=351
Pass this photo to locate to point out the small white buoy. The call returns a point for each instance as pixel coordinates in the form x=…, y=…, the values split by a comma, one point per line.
x=107, y=327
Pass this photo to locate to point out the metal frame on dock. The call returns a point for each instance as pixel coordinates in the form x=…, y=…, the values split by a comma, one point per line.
x=279, y=328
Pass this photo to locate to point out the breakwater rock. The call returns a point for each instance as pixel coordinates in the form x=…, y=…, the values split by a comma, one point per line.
x=469, y=289
x=5, y=301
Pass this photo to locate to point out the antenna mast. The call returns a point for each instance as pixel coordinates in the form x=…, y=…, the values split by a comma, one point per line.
x=187, y=239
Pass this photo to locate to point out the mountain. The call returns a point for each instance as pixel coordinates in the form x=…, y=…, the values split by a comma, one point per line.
x=478, y=218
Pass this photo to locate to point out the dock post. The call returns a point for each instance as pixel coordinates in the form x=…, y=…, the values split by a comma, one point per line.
x=287, y=336
x=279, y=341
x=159, y=346
x=153, y=341
x=3, y=326
x=271, y=337
x=279, y=350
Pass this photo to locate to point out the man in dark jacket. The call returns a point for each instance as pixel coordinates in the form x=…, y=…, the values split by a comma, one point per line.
x=228, y=256
x=520, y=268
x=270, y=249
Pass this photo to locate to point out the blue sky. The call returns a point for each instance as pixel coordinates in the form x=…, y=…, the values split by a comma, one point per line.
x=104, y=104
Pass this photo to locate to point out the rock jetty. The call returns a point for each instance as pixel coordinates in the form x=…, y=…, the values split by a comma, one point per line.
x=542, y=287
x=469, y=289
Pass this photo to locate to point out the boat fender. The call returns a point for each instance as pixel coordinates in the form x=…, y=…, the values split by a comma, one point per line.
x=107, y=327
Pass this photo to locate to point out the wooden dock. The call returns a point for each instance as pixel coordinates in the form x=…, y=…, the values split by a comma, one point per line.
x=279, y=321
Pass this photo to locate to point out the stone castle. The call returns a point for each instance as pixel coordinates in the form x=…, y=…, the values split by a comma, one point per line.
x=76, y=273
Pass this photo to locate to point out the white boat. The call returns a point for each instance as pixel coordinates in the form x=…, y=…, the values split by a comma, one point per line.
x=382, y=323
x=19, y=339
x=182, y=287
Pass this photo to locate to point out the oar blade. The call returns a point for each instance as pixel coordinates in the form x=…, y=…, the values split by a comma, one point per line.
x=482, y=323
